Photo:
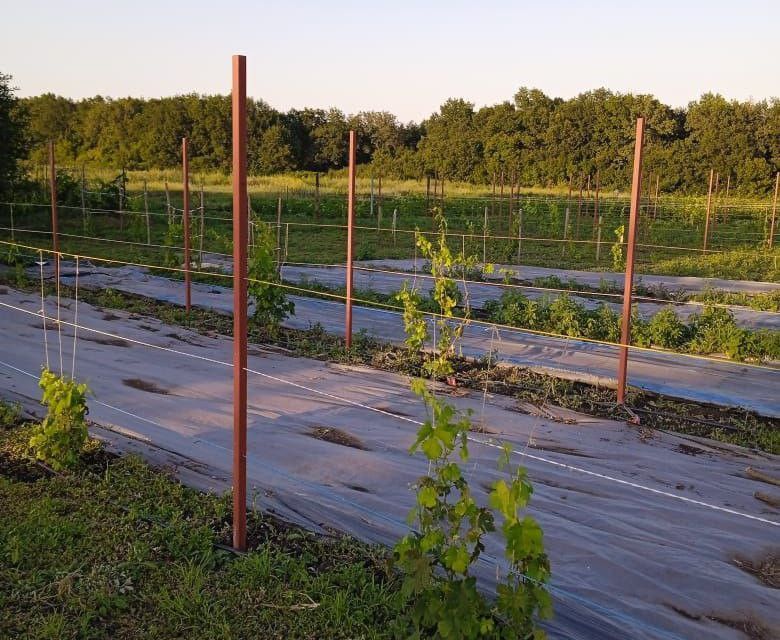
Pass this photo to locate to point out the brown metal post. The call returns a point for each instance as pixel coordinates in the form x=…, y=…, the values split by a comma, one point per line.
x=655, y=199
x=774, y=212
x=726, y=199
x=240, y=237
x=709, y=204
x=55, y=240
x=350, y=224
x=185, y=165
x=317, y=196
x=596, y=201
x=636, y=194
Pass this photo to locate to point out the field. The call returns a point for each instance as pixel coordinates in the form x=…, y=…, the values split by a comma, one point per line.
x=534, y=369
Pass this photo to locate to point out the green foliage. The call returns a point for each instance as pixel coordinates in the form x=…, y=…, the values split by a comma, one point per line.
x=540, y=139
x=59, y=439
x=714, y=331
x=270, y=299
x=14, y=142
x=616, y=250
x=437, y=557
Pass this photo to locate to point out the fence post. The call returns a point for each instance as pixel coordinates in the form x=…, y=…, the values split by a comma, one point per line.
x=317, y=196
x=371, y=211
x=240, y=237
x=484, y=237
x=11, y=208
x=350, y=224
x=279, y=234
x=146, y=211
x=709, y=204
x=774, y=212
x=185, y=164
x=168, y=203
x=636, y=194
x=395, y=214
x=519, y=232
x=83, y=200
x=202, y=226
x=55, y=241
x=598, y=237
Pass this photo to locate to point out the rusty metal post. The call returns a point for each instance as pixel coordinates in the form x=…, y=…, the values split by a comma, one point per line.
x=636, y=194
x=774, y=212
x=146, y=211
x=202, y=229
x=655, y=198
x=350, y=225
x=55, y=240
x=709, y=205
x=185, y=165
x=240, y=237
x=317, y=196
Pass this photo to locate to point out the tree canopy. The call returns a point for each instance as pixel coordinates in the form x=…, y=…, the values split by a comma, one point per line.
x=532, y=140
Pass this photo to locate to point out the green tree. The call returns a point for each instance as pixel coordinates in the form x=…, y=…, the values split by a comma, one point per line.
x=13, y=136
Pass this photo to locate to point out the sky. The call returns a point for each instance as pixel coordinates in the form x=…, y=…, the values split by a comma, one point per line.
x=404, y=57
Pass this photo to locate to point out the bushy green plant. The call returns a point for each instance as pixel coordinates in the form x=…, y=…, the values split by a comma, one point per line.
x=60, y=437
x=437, y=557
x=666, y=330
x=270, y=299
x=616, y=250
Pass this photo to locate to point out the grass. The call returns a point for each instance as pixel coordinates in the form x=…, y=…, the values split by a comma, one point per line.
x=669, y=243
x=118, y=549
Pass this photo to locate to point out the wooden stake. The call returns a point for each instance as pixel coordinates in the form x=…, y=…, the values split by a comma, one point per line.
x=350, y=239
x=185, y=165
x=202, y=226
x=774, y=212
x=636, y=191
x=83, y=199
x=709, y=204
x=146, y=211
x=240, y=229
x=55, y=239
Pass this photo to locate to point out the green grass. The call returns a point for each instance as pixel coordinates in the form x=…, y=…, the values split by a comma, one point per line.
x=670, y=242
x=120, y=550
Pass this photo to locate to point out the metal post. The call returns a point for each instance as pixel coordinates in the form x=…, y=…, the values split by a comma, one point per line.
x=655, y=199
x=636, y=193
x=395, y=214
x=202, y=225
x=709, y=204
x=596, y=200
x=240, y=237
x=317, y=196
x=286, y=241
x=598, y=237
x=55, y=241
x=146, y=211
x=122, y=201
x=484, y=237
x=185, y=164
x=279, y=234
x=168, y=202
x=774, y=212
x=350, y=224
x=371, y=211
x=519, y=232
x=11, y=208
x=83, y=200
x=726, y=199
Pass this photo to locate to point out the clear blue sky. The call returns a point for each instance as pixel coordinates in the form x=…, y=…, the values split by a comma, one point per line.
x=405, y=57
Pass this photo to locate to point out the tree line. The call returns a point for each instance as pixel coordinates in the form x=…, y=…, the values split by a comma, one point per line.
x=531, y=140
